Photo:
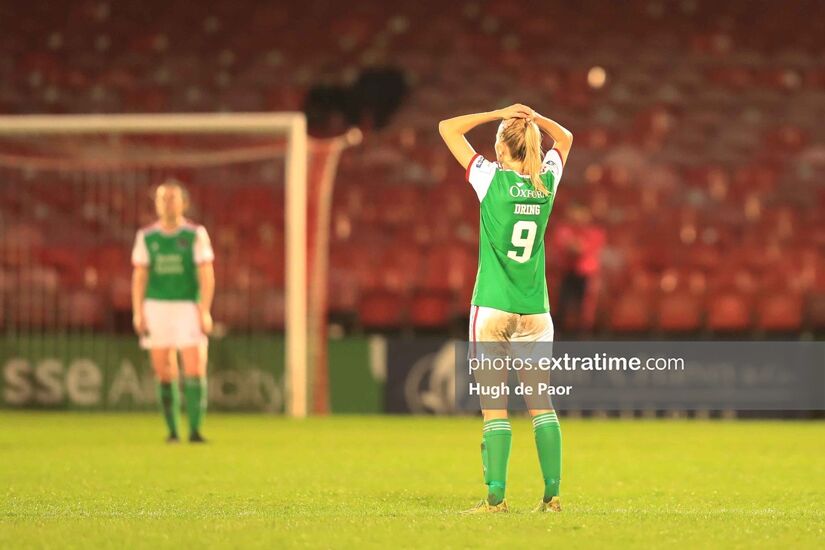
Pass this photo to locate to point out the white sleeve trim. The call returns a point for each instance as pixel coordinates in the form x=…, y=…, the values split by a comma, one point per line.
x=480, y=174
x=140, y=254
x=552, y=163
x=203, y=246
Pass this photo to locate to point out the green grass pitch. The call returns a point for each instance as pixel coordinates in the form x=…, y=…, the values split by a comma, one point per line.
x=95, y=480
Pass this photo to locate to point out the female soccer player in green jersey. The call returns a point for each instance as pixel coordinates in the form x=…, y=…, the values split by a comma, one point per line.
x=173, y=283
x=510, y=303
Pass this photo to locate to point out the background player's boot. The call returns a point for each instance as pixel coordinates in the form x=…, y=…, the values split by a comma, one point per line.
x=554, y=505
x=485, y=507
x=173, y=438
x=196, y=437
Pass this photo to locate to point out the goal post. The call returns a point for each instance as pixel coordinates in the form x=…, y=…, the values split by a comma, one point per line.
x=292, y=126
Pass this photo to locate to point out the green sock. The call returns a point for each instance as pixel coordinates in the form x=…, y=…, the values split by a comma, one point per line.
x=195, y=391
x=548, y=444
x=495, y=454
x=169, y=400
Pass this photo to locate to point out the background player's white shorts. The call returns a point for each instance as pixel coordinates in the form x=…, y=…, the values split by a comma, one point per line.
x=493, y=325
x=172, y=324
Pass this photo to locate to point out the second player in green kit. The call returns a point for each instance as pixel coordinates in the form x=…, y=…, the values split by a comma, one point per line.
x=510, y=301
x=173, y=283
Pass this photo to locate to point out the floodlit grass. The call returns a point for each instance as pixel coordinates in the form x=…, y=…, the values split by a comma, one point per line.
x=95, y=480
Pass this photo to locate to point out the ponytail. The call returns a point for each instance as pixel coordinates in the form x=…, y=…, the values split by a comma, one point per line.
x=523, y=139
x=531, y=165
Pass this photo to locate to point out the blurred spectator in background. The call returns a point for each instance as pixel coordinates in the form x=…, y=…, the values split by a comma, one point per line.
x=580, y=242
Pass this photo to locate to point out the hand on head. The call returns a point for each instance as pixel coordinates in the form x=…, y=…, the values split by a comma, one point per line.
x=517, y=110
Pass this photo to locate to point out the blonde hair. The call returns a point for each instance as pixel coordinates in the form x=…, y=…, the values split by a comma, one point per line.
x=523, y=139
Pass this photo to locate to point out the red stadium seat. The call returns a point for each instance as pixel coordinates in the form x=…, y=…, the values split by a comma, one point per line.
x=382, y=310
x=631, y=313
x=431, y=310
x=83, y=309
x=445, y=267
x=233, y=309
x=780, y=312
x=270, y=310
x=729, y=311
x=33, y=310
x=815, y=311
x=342, y=293
x=121, y=293
x=680, y=312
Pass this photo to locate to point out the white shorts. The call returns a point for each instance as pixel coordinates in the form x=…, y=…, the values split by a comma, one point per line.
x=172, y=324
x=488, y=324
x=497, y=333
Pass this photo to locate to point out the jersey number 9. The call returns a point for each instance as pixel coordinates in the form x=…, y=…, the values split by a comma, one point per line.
x=524, y=234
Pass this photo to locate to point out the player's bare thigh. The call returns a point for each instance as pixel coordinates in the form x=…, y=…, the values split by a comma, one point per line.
x=533, y=337
x=194, y=360
x=491, y=330
x=164, y=363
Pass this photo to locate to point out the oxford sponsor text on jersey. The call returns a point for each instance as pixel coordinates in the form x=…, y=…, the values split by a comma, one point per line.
x=520, y=193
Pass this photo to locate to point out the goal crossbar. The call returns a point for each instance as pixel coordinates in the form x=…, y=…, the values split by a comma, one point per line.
x=293, y=126
x=137, y=124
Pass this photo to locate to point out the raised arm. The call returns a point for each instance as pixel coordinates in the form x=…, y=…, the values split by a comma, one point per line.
x=562, y=137
x=452, y=130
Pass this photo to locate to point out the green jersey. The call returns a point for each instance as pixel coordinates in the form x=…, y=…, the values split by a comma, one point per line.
x=172, y=259
x=511, y=265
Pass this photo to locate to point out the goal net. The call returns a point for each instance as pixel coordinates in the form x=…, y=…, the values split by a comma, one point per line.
x=73, y=192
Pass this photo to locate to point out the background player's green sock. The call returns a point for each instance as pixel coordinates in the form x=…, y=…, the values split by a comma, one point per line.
x=195, y=391
x=548, y=444
x=495, y=455
x=169, y=401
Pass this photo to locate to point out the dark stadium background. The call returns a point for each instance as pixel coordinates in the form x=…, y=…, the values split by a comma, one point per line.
x=698, y=153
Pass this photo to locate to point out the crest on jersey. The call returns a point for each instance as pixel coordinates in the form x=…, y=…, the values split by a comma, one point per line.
x=484, y=167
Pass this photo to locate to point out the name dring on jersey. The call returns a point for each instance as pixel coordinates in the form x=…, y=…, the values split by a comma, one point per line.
x=528, y=209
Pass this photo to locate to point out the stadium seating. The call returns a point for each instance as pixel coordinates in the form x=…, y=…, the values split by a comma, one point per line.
x=382, y=310
x=700, y=152
x=679, y=312
x=431, y=310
